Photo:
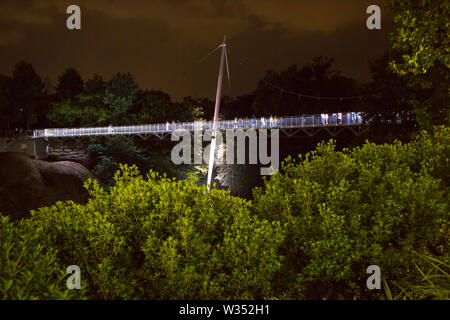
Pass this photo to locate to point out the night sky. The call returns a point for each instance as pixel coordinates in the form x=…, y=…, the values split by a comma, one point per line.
x=157, y=40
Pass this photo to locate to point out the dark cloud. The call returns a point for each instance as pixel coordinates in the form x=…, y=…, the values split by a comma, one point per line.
x=155, y=40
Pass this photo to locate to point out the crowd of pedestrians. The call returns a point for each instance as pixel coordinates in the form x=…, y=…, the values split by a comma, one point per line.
x=273, y=121
x=340, y=118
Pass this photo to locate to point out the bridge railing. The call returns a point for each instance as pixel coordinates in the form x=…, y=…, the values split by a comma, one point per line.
x=302, y=121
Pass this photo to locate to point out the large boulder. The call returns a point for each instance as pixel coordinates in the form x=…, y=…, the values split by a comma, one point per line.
x=27, y=184
x=67, y=176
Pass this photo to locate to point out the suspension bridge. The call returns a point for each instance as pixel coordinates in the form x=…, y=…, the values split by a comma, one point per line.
x=309, y=123
x=36, y=144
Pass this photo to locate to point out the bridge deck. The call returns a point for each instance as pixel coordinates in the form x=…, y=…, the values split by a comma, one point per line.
x=304, y=121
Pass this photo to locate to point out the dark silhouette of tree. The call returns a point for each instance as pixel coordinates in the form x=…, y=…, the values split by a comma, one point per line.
x=27, y=93
x=315, y=79
x=6, y=118
x=95, y=85
x=76, y=106
x=120, y=94
x=156, y=107
x=388, y=99
x=70, y=84
x=196, y=109
x=240, y=106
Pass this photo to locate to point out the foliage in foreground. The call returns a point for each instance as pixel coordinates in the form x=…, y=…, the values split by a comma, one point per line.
x=156, y=238
x=311, y=232
x=28, y=269
x=344, y=211
x=435, y=283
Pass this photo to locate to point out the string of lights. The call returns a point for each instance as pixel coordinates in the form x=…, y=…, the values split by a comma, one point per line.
x=302, y=95
x=241, y=63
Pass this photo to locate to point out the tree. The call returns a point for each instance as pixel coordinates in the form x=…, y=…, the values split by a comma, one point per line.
x=120, y=94
x=69, y=84
x=388, y=98
x=27, y=94
x=422, y=35
x=194, y=109
x=112, y=152
x=156, y=107
x=422, y=38
x=95, y=85
x=6, y=118
x=231, y=107
x=315, y=79
x=79, y=109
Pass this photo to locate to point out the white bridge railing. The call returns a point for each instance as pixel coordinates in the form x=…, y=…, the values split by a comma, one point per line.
x=303, y=121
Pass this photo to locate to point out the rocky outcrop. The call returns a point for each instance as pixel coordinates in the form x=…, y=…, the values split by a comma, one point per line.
x=27, y=184
x=67, y=176
x=83, y=160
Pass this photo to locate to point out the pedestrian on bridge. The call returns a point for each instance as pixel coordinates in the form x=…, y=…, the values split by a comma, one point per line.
x=263, y=122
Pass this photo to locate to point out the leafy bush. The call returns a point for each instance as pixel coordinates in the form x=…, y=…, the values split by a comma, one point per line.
x=311, y=232
x=28, y=269
x=435, y=283
x=110, y=153
x=343, y=211
x=121, y=150
x=164, y=239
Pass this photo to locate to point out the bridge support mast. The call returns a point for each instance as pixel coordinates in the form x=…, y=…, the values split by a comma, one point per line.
x=216, y=116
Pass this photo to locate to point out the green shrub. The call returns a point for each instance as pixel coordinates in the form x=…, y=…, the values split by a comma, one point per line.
x=344, y=211
x=163, y=239
x=311, y=232
x=434, y=283
x=29, y=269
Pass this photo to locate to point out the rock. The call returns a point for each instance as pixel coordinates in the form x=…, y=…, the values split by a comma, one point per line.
x=84, y=160
x=66, y=175
x=27, y=184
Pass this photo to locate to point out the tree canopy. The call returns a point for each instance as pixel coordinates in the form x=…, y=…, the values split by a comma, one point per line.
x=69, y=83
x=422, y=41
